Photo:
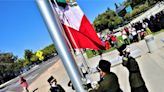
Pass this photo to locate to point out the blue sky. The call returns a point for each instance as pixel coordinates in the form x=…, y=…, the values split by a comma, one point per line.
x=22, y=27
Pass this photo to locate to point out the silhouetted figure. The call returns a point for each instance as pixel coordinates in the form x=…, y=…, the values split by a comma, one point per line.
x=137, y=83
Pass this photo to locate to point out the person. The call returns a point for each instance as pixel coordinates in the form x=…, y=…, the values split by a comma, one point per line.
x=124, y=36
x=126, y=30
x=137, y=83
x=107, y=45
x=108, y=80
x=23, y=83
x=134, y=34
x=114, y=40
x=54, y=86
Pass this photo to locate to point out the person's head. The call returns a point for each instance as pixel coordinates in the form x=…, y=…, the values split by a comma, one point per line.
x=104, y=67
x=20, y=76
x=123, y=50
x=52, y=81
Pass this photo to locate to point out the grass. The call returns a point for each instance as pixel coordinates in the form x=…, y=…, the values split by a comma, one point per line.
x=120, y=42
x=91, y=54
x=158, y=32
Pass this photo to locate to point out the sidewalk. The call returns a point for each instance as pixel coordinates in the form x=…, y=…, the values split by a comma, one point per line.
x=57, y=70
x=151, y=66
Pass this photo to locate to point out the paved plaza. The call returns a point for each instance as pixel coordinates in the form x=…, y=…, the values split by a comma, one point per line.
x=151, y=66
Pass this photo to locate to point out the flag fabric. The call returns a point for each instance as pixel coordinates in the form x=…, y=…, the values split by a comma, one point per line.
x=77, y=27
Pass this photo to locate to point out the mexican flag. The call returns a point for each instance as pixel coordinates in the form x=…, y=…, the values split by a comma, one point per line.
x=77, y=27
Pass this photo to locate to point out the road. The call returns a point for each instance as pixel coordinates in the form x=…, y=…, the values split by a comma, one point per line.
x=30, y=76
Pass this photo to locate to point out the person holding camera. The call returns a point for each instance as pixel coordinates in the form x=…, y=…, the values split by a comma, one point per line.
x=137, y=83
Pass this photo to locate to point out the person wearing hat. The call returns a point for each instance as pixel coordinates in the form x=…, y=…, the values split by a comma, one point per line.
x=108, y=80
x=54, y=86
x=137, y=83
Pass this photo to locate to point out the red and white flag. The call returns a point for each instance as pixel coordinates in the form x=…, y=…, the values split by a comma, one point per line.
x=77, y=27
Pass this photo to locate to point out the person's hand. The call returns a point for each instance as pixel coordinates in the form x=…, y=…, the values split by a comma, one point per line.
x=90, y=89
x=125, y=59
x=95, y=85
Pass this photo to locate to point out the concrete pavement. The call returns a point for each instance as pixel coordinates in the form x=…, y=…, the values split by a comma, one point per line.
x=151, y=66
x=14, y=85
x=56, y=70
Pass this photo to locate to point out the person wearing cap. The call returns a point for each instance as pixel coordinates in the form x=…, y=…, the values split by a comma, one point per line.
x=137, y=83
x=54, y=86
x=108, y=80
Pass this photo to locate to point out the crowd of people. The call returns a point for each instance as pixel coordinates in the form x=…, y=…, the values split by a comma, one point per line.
x=135, y=32
x=132, y=33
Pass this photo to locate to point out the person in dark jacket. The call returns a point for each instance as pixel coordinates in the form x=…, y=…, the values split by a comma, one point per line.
x=137, y=83
x=109, y=81
x=54, y=86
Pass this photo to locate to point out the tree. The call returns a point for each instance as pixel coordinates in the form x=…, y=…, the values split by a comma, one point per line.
x=137, y=2
x=136, y=11
x=108, y=19
x=49, y=51
x=152, y=2
x=34, y=58
x=7, y=61
x=28, y=54
x=19, y=64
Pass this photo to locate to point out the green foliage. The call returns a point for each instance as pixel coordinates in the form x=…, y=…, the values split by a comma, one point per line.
x=137, y=2
x=26, y=62
x=34, y=58
x=7, y=65
x=7, y=57
x=108, y=19
x=136, y=11
x=91, y=53
x=128, y=16
x=10, y=64
x=19, y=64
x=28, y=54
x=30, y=57
x=127, y=3
x=152, y=2
x=49, y=50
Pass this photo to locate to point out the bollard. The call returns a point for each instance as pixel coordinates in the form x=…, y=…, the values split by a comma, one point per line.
x=150, y=42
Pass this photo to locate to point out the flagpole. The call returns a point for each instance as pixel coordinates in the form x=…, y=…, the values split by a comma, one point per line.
x=76, y=46
x=60, y=43
x=65, y=35
x=81, y=55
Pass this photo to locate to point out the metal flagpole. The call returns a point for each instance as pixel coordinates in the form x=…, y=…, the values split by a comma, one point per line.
x=81, y=54
x=61, y=45
x=65, y=34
